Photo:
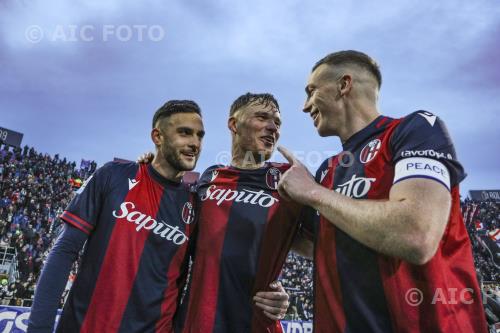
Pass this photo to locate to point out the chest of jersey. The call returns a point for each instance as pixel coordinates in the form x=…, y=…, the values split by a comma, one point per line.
x=364, y=171
x=237, y=206
x=142, y=209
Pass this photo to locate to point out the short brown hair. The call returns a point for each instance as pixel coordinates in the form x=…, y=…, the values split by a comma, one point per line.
x=352, y=57
x=175, y=106
x=266, y=99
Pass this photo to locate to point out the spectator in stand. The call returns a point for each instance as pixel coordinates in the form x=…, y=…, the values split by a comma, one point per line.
x=296, y=278
x=481, y=218
x=33, y=190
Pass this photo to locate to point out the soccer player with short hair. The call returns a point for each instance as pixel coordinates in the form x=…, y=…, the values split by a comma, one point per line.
x=391, y=250
x=137, y=221
x=245, y=229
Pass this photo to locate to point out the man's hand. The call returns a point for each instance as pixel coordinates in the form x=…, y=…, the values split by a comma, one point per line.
x=296, y=183
x=146, y=158
x=273, y=303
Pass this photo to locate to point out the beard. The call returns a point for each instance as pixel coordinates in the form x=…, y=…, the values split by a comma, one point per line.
x=173, y=157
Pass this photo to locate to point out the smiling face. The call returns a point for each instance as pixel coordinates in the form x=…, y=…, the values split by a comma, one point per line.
x=178, y=139
x=256, y=130
x=324, y=102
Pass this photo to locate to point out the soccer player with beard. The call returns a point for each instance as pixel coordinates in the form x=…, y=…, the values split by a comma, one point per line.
x=391, y=250
x=245, y=229
x=136, y=220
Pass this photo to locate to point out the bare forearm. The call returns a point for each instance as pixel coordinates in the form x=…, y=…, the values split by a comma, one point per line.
x=408, y=225
x=393, y=227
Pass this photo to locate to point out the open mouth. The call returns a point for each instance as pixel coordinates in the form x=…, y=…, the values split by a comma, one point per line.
x=268, y=140
x=189, y=154
x=315, y=117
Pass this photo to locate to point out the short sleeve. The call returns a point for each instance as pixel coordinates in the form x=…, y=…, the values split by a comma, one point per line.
x=422, y=148
x=83, y=211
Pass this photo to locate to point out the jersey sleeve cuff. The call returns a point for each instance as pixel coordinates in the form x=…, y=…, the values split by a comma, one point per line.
x=419, y=167
x=77, y=222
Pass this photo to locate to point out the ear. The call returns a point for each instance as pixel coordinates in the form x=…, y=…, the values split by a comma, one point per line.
x=231, y=124
x=155, y=136
x=345, y=84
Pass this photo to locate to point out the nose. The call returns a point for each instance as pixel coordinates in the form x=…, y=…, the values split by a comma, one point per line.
x=271, y=126
x=307, y=106
x=195, y=144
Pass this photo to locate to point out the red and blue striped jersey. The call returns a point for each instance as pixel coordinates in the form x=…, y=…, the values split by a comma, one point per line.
x=134, y=262
x=245, y=232
x=360, y=290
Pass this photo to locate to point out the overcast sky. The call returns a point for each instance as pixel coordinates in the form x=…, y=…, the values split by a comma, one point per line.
x=83, y=78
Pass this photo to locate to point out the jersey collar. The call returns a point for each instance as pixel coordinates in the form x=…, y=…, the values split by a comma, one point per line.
x=160, y=179
x=372, y=128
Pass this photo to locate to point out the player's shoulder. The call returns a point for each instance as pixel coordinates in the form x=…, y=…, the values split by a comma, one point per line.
x=113, y=172
x=210, y=173
x=420, y=124
x=419, y=119
x=211, y=169
x=117, y=167
x=214, y=167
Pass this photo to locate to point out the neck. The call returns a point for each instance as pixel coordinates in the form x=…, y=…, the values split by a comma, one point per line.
x=245, y=159
x=357, y=117
x=161, y=166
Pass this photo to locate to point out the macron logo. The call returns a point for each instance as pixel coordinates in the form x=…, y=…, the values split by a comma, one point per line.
x=428, y=116
x=132, y=183
x=323, y=175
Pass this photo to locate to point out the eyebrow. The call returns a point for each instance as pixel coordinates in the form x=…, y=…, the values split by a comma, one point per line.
x=263, y=113
x=268, y=115
x=190, y=130
x=308, y=88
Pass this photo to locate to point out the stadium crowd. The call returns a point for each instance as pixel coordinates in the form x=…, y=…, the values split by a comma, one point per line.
x=481, y=219
x=297, y=279
x=35, y=188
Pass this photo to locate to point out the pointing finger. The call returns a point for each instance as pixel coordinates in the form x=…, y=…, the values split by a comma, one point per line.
x=288, y=155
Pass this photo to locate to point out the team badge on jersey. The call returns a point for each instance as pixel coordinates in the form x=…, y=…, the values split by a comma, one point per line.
x=273, y=176
x=188, y=213
x=215, y=173
x=371, y=150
